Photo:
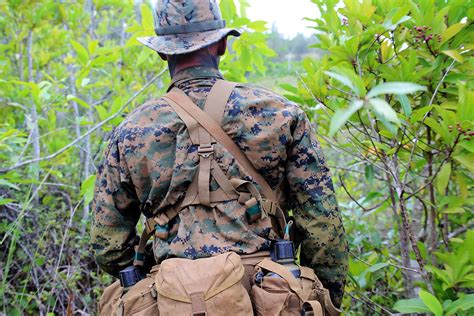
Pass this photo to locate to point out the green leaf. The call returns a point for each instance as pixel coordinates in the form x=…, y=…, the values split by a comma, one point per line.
x=395, y=88
x=369, y=173
x=390, y=25
x=6, y=183
x=431, y=302
x=453, y=210
x=82, y=103
x=344, y=80
x=87, y=189
x=443, y=178
x=258, y=26
x=289, y=87
x=465, y=303
x=451, y=31
x=228, y=9
x=6, y=201
x=466, y=100
x=466, y=160
x=405, y=103
x=413, y=305
x=454, y=54
x=82, y=54
x=147, y=17
x=343, y=115
x=377, y=266
x=382, y=108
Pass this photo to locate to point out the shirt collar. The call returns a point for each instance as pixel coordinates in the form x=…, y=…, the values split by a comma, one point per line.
x=196, y=72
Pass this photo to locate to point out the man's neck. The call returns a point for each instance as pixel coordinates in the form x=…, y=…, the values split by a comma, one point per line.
x=176, y=65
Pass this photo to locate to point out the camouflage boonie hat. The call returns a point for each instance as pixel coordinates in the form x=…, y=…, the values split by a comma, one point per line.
x=184, y=26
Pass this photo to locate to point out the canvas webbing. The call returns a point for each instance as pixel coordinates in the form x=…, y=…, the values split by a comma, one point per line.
x=217, y=100
x=215, y=107
x=204, y=129
x=181, y=102
x=269, y=265
x=312, y=308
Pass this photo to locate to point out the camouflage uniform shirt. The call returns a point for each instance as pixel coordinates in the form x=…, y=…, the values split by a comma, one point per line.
x=151, y=161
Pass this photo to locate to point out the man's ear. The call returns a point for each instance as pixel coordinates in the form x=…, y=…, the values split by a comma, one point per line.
x=222, y=46
x=163, y=56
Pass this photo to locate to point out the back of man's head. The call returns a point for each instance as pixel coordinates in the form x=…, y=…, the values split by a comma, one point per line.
x=207, y=56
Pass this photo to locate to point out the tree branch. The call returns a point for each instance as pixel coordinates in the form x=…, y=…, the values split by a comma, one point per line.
x=79, y=139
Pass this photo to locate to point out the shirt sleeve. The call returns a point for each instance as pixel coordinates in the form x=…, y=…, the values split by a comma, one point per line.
x=116, y=213
x=318, y=220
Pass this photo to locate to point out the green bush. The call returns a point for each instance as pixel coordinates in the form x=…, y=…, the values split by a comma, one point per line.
x=70, y=72
x=393, y=98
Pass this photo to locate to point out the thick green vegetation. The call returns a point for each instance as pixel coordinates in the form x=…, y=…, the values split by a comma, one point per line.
x=392, y=102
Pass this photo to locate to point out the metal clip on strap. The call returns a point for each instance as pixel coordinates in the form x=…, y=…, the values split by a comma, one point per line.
x=206, y=151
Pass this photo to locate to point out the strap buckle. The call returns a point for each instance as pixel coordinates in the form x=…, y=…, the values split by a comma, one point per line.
x=206, y=151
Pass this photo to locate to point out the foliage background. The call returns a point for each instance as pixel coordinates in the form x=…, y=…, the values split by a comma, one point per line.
x=388, y=85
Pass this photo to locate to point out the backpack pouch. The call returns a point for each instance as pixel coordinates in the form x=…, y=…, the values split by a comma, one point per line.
x=139, y=300
x=273, y=297
x=208, y=286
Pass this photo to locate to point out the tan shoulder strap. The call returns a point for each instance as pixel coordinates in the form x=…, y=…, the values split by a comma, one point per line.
x=179, y=101
x=217, y=99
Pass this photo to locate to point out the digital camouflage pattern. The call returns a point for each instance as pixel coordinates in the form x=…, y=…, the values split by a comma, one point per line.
x=150, y=162
x=185, y=12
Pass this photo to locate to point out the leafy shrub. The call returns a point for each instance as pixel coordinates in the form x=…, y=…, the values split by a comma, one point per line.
x=393, y=98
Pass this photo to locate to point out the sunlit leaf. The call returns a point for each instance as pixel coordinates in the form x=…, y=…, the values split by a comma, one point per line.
x=395, y=88
x=82, y=54
x=413, y=305
x=383, y=109
x=452, y=31
x=466, y=160
x=454, y=54
x=344, y=80
x=431, y=302
x=341, y=116
x=78, y=101
x=87, y=189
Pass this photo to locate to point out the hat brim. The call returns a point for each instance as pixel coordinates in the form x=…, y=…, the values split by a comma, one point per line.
x=186, y=43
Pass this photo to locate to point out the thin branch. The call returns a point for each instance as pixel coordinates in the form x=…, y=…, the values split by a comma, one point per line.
x=355, y=201
x=417, y=136
x=390, y=263
x=370, y=303
x=90, y=131
x=451, y=150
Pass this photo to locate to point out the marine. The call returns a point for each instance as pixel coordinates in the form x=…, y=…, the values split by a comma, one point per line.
x=150, y=163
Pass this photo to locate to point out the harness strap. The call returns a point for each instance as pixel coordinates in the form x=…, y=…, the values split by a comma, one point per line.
x=180, y=102
x=204, y=130
x=312, y=308
x=269, y=265
x=222, y=180
x=217, y=99
x=139, y=259
x=214, y=107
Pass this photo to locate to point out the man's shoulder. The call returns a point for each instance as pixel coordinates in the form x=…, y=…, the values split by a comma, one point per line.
x=253, y=94
x=150, y=118
x=256, y=91
x=150, y=112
